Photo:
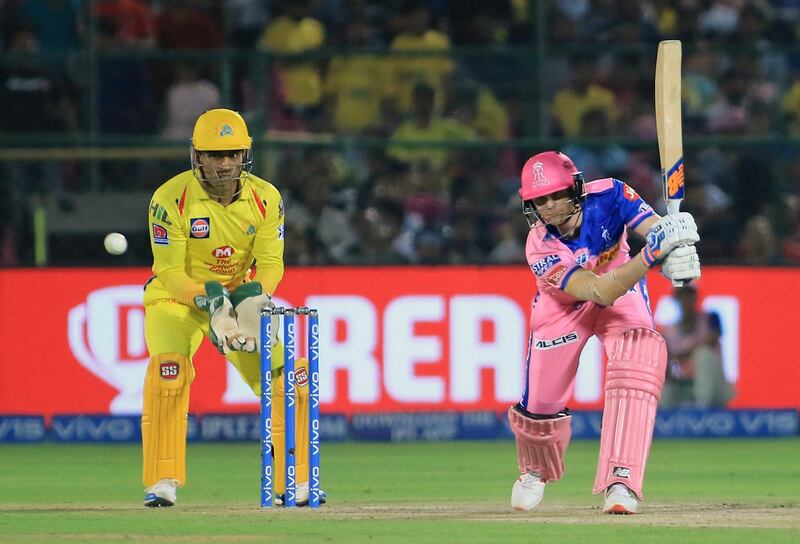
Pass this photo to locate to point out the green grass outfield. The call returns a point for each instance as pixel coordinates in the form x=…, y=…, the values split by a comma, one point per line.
x=723, y=491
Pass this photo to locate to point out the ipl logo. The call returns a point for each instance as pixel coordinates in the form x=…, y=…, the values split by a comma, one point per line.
x=538, y=175
x=106, y=335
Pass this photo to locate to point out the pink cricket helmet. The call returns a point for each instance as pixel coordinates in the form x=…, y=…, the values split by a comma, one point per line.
x=549, y=172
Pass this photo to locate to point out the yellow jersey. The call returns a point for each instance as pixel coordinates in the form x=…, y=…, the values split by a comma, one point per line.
x=568, y=107
x=196, y=239
x=358, y=84
x=301, y=78
x=440, y=131
x=430, y=69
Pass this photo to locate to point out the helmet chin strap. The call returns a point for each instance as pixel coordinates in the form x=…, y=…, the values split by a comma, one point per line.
x=576, y=208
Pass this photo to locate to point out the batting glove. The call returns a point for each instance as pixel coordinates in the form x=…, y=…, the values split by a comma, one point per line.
x=681, y=266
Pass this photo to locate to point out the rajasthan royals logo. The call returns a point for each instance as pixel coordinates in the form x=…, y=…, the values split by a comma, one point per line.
x=538, y=175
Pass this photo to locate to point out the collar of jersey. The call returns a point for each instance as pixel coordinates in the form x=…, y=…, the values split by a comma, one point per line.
x=572, y=244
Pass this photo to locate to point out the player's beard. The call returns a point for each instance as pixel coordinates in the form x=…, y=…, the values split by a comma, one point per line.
x=221, y=185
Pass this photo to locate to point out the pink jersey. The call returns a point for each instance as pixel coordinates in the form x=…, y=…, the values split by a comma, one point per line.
x=611, y=207
x=560, y=323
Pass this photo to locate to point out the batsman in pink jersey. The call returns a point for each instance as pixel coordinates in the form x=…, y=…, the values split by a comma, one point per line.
x=589, y=285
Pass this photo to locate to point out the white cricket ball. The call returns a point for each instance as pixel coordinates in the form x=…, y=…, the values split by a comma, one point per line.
x=115, y=243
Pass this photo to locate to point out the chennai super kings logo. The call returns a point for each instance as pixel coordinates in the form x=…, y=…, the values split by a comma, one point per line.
x=225, y=130
x=538, y=175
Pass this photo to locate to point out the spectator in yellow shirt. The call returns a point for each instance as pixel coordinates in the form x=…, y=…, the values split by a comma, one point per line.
x=296, y=32
x=790, y=106
x=427, y=60
x=583, y=93
x=478, y=107
x=426, y=127
x=355, y=85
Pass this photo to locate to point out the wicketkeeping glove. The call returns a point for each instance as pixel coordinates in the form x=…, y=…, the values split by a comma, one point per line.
x=681, y=266
x=223, y=328
x=668, y=233
x=249, y=301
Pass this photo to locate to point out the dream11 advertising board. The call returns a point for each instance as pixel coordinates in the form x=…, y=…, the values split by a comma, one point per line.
x=391, y=340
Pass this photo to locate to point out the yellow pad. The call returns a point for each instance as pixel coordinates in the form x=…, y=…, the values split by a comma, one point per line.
x=164, y=417
x=301, y=426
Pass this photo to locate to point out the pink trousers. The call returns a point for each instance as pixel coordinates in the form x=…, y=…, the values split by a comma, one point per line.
x=557, y=339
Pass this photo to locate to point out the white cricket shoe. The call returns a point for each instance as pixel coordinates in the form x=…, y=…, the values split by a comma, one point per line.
x=301, y=496
x=162, y=493
x=527, y=492
x=620, y=500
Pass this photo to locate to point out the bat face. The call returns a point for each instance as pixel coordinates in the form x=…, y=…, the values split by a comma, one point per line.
x=668, y=122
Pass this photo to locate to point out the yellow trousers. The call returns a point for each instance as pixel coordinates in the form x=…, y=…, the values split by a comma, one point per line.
x=173, y=333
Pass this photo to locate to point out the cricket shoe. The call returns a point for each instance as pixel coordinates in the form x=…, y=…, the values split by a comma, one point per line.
x=301, y=496
x=162, y=493
x=620, y=500
x=527, y=492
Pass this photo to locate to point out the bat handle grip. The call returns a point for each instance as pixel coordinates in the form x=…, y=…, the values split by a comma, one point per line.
x=673, y=207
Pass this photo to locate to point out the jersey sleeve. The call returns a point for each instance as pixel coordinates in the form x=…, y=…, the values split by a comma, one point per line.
x=168, y=244
x=268, y=245
x=633, y=209
x=551, y=261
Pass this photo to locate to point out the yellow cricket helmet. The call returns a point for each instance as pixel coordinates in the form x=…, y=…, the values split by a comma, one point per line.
x=221, y=130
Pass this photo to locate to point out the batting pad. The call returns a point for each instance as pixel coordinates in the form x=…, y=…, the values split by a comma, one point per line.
x=301, y=426
x=164, y=417
x=637, y=361
x=541, y=443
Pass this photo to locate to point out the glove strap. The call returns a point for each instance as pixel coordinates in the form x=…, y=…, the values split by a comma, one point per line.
x=217, y=294
x=648, y=258
x=202, y=302
x=244, y=291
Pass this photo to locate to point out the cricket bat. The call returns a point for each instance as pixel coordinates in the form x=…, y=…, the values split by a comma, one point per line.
x=668, y=124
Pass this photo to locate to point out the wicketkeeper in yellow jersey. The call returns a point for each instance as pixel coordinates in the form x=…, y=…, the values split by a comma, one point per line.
x=208, y=225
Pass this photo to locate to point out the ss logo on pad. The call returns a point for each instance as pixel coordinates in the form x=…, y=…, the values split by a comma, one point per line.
x=169, y=370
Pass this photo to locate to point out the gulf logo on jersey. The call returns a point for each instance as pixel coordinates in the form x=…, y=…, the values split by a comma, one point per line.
x=160, y=236
x=199, y=227
x=223, y=252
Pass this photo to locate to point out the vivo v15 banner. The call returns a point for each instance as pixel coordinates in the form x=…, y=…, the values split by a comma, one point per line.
x=391, y=339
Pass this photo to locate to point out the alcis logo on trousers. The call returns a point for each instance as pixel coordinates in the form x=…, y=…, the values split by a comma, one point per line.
x=568, y=338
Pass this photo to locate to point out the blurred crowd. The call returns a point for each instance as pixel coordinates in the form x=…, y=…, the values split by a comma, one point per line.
x=401, y=125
